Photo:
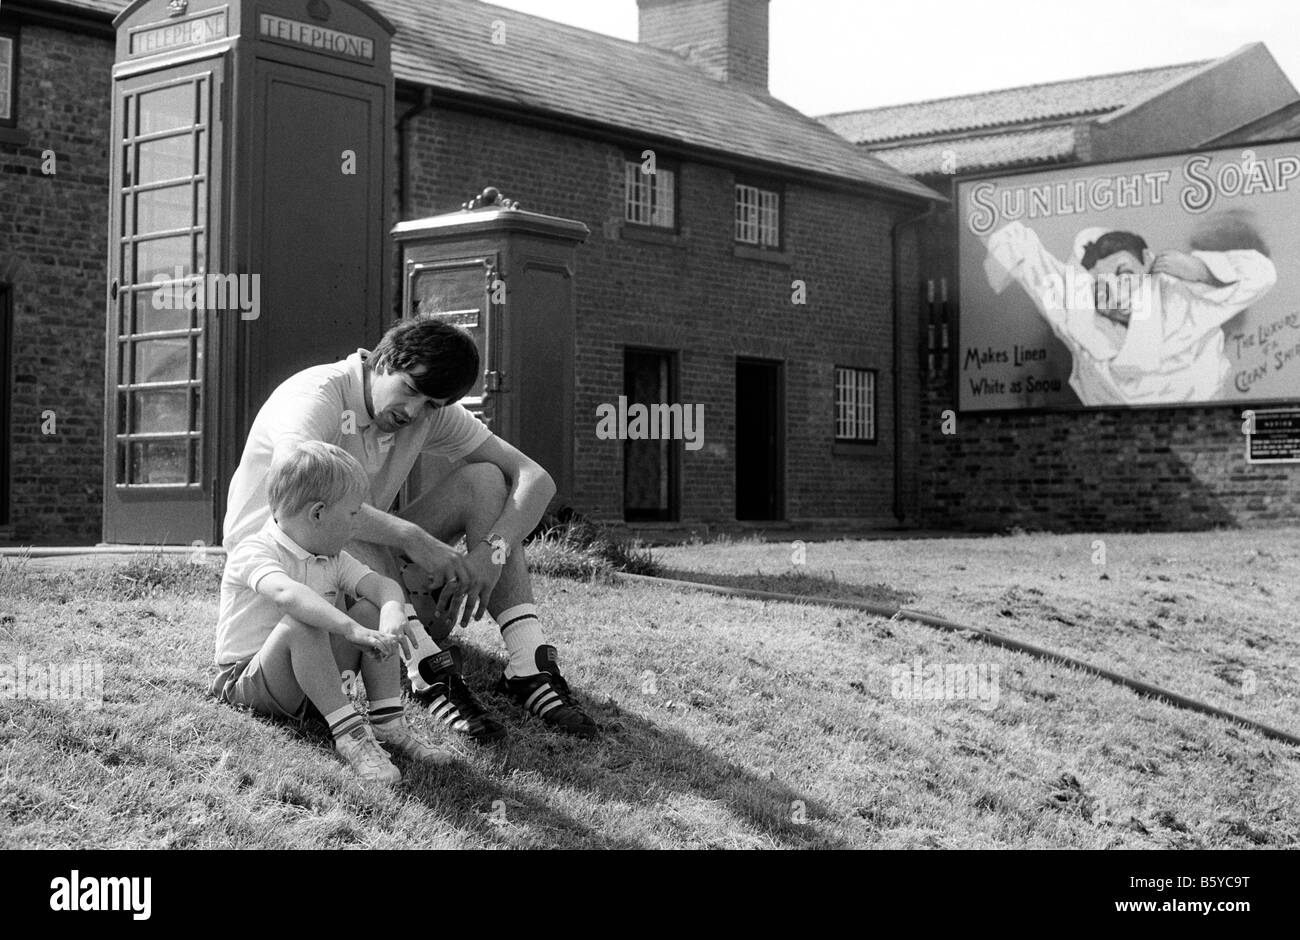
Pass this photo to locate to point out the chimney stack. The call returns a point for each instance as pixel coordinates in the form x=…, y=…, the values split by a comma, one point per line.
x=727, y=38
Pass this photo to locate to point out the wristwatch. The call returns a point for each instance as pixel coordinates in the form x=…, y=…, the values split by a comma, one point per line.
x=499, y=544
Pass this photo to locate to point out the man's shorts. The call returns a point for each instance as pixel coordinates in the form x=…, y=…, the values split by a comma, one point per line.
x=244, y=684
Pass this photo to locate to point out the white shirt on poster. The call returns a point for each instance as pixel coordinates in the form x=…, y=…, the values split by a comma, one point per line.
x=1169, y=353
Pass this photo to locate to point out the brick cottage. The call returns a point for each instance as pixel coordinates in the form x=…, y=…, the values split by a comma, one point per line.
x=756, y=273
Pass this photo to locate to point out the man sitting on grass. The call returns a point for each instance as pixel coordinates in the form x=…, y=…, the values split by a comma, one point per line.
x=283, y=643
x=386, y=408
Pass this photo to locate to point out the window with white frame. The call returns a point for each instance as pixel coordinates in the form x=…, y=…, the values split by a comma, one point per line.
x=8, y=77
x=855, y=404
x=758, y=216
x=649, y=198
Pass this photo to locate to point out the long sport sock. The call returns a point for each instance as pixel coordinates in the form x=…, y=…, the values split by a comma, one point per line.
x=423, y=650
x=522, y=632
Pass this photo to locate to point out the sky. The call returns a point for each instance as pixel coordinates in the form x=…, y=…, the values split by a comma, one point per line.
x=840, y=55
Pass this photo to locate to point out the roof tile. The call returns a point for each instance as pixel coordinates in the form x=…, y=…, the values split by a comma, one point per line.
x=561, y=70
x=1004, y=107
x=983, y=152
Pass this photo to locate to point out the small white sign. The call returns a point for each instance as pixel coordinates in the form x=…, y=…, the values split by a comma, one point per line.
x=1273, y=436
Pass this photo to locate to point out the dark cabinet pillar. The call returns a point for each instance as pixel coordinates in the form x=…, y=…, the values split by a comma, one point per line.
x=507, y=276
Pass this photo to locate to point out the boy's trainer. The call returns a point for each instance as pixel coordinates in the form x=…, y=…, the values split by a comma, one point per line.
x=547, y=696
x=450, y=701
x=398, y=737
x=360, y=749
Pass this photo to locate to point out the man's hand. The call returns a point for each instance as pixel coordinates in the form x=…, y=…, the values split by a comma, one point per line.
x=442, y=563
x=377, y=645
x=1185, y=267
x=482, y=575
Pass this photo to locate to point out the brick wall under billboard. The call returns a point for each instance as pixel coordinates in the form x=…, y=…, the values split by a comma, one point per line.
x=1077, y=468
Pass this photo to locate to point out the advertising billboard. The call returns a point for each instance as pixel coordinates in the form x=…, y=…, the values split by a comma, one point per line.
x=1169, y=280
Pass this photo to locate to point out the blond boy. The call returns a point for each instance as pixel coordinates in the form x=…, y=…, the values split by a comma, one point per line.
x=284, y=642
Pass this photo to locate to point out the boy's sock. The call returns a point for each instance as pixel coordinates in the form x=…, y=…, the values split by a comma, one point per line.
x=423, y=650
x=342, y=720
x=385, y=710
x=522, y=632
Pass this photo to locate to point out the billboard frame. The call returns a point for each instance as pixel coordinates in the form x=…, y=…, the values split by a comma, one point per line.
x=955, y=349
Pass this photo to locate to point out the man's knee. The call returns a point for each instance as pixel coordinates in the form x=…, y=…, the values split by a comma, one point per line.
x=378, y=558
x=483, y=483
x=365, y=613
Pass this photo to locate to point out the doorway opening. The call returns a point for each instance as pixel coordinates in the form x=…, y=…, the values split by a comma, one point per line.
x=760, y=440
x=650, y=467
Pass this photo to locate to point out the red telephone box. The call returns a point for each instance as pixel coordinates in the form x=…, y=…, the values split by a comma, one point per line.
x=251, y=152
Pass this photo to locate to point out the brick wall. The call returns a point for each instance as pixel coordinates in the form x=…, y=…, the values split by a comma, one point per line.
x=52, y=251
x=728, y=38
x=1101, y=470
x=696, y=296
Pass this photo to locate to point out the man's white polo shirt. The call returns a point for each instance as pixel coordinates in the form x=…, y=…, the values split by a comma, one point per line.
x=246, y=618
x=328, y=403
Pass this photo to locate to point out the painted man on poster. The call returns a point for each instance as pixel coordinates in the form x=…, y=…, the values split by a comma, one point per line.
x=1142, y=282
x=1143, y=328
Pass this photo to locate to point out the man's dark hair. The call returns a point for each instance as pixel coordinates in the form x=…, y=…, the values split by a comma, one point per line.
x=447, y=352
x=1113, y=243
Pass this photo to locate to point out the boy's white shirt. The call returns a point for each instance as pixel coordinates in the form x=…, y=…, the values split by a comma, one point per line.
x=246, y=618
x=1173, y=352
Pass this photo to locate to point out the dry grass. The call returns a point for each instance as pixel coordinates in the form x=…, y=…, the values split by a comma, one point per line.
x=1212, y=615
x=728, y=723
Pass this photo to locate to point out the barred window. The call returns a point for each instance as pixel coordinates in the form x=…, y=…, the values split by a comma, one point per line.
x=649, y=198
x=855, y=404
x=758, y=216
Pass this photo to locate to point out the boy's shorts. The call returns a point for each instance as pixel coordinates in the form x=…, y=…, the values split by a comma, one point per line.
x=244, y=684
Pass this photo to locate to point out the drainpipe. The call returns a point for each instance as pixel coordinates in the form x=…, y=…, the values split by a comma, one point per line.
x=425, y=102
x=931, y=211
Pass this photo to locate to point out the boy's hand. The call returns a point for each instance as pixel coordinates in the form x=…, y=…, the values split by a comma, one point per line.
x=393, y=623
x=376, y=644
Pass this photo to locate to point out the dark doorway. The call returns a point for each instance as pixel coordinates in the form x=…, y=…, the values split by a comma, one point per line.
x=649, y=466
x=7, y=361
x=760, y=440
